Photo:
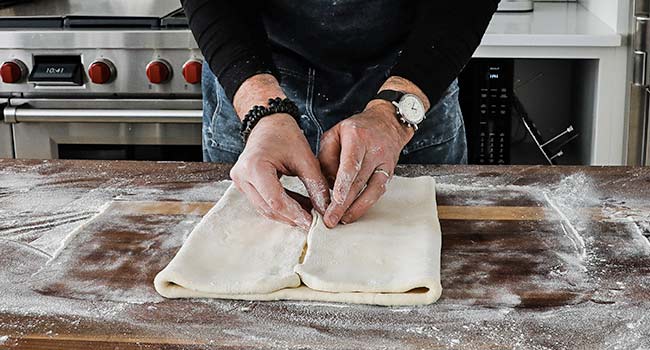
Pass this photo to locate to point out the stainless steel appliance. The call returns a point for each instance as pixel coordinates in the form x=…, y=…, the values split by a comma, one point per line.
x=515, y=6
x=112, y=79
x=639, y=114
x=6, y=137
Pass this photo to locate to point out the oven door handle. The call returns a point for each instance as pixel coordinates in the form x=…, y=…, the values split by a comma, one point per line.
x=41, y=115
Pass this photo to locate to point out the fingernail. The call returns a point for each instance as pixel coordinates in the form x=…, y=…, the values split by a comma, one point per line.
x=327, y=219
x=332, y=221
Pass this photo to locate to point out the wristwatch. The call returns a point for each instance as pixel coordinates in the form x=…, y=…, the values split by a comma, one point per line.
x=409, y=107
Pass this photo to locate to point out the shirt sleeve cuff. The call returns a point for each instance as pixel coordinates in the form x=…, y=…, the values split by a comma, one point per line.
x=433, y=75
x=234, y=75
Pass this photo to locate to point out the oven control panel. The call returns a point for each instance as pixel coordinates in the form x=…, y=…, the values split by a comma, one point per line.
x=101, y=72
x=486, y=101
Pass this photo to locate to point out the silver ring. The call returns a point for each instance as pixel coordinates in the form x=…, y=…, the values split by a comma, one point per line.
x=383, y=172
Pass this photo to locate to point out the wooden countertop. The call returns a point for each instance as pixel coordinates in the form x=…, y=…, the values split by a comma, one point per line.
x=533, y=257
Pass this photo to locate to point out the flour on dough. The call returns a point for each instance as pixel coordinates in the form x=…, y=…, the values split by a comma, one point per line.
x=391, y=256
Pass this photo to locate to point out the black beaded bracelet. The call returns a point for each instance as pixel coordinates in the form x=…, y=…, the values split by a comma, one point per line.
x=276, y=105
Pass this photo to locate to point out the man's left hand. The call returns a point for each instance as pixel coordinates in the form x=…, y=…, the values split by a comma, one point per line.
x=358, y=157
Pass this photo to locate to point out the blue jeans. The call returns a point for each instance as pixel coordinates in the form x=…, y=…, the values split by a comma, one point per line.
x=325, y=97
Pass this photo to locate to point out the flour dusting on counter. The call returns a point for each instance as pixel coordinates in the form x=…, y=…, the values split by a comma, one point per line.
x=521, y=284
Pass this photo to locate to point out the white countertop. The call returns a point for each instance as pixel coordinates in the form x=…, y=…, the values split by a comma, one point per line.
x=551, y=24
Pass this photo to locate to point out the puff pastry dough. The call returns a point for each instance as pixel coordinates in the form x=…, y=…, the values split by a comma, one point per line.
x=391, y=256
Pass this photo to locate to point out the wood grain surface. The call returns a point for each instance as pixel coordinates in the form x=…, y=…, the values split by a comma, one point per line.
x=533, y=257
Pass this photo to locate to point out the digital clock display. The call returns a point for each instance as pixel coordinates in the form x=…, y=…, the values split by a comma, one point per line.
x=57, y=70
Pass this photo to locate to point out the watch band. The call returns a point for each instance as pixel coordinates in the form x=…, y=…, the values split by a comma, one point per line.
x=390, y=95
x=394, y=97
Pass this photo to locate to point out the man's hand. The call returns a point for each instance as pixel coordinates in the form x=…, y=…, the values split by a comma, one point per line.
x=277, y=147
x=358, y=156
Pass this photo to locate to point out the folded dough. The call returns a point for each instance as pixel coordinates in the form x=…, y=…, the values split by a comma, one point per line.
x=391, y=256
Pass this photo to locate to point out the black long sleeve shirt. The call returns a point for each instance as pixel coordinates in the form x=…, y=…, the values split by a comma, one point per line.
x=435, y=38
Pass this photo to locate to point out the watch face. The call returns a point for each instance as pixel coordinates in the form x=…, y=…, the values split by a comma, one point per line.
x=411, y=109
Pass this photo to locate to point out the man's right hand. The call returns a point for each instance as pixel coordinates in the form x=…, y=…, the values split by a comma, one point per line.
x=276, y=147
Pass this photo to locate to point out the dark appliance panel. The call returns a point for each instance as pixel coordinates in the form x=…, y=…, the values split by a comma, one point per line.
x=486, y=88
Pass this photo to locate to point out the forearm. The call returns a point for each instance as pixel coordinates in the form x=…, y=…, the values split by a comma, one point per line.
x=404, y=85
x=256, y=91
x=386, y=110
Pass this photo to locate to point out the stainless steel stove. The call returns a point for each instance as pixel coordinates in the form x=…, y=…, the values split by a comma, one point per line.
x=116, y=79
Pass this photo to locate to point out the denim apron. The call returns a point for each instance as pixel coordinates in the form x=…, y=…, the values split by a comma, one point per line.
x=312, y=41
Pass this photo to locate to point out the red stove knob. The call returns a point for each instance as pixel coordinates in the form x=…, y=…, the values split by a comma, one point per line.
x=101, y=71
x=192, y=71
x=13, y=71
x=158, y=72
